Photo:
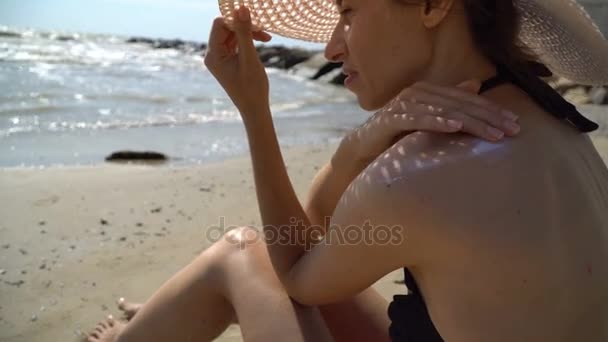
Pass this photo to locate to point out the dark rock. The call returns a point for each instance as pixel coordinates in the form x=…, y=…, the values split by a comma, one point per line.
x=9, y=34
x=103, y=222
x=338, y=80
x=157, y=210
x=599, y=95
x=281, y=57
x=140, y=40
x=65, y=38
x=145, y=156
x=328, y=67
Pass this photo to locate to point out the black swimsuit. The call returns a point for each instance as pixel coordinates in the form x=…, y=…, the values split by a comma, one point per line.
x=410, y=320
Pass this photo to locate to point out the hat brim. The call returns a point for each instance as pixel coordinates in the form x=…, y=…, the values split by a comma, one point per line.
x=559, y=32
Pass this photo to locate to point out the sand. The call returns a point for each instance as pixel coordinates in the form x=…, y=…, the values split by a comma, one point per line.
x=74, y=239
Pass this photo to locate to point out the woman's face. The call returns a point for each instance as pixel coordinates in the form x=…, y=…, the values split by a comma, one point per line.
x=384, y=47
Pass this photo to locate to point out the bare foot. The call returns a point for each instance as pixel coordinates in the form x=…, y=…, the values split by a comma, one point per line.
x=128, y=309
x=106, y=331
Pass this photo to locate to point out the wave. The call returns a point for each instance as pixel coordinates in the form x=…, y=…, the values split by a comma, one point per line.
x=155, y=121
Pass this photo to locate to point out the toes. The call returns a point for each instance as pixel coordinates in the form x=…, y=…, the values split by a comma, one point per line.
x=110, y=321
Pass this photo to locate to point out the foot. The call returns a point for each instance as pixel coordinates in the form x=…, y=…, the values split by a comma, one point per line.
x=128, y=309
x=106, y=331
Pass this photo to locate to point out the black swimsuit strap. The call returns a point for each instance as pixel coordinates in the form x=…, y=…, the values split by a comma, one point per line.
x=549, y=99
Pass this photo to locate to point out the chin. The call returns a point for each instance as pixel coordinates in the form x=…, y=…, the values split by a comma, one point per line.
x=371, y=103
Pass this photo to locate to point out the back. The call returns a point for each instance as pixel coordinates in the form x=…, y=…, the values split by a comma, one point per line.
x=526, y=262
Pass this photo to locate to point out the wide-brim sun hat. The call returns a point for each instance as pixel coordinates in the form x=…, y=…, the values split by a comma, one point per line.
x=559, y=32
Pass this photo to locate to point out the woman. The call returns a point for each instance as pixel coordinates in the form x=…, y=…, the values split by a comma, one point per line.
x=502, y=238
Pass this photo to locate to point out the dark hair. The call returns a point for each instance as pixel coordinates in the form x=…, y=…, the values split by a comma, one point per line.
x=495, y=25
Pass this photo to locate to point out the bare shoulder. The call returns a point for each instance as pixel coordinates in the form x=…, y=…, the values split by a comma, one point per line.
x=432, y=180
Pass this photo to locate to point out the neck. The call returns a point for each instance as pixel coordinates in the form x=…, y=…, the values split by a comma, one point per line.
x=455, y=58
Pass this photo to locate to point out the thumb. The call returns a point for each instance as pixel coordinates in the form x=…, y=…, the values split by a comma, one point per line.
x=472, y=85
x=244, y=34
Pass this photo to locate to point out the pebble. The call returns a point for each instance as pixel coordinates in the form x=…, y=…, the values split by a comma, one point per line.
x=103, y=222
x=157, y=210
x=2, y=271
x=34, y=318
x=23, y=251
x=41, y=223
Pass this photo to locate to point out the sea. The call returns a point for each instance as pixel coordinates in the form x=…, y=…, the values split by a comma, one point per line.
x=70, y=98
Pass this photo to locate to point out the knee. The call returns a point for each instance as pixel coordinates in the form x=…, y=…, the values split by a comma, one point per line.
x=239, y=240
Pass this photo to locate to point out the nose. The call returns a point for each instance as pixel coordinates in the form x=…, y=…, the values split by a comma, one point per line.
x=335, y=51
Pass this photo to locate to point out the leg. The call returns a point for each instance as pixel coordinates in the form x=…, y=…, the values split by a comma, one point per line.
x=228, y=280
x=225, y=282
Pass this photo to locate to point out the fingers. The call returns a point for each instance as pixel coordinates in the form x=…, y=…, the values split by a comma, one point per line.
x=244, y=35
x=479, y=116
x=262, y=36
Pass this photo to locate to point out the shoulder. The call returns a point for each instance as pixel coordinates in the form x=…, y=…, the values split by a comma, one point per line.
x=428, y=180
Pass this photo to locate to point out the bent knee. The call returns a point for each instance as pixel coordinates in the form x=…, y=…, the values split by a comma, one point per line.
x=241, y=240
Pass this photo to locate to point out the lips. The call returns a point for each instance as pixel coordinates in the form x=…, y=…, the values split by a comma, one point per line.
x=348, y=72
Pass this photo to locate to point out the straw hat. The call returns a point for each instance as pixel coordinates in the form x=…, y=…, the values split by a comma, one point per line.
x=560, y=32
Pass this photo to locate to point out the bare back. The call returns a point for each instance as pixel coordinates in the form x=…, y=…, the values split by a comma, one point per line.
x=526, y=263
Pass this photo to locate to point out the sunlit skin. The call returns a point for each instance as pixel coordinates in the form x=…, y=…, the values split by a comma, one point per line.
x=506, y=236
x=514, y=231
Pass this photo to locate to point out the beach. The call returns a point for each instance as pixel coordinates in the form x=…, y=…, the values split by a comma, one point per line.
x=74, y=239
x=77, y=233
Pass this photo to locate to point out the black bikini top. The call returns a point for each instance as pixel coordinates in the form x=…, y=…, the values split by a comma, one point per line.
x=410, y=320
x=542, y=93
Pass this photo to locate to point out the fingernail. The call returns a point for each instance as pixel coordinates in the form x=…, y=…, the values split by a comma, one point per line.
x=510, y=115
x=243, y=14
x=495, y=133
x=512, y=126
x=454, y=123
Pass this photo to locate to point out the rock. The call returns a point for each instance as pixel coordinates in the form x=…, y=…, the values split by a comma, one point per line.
x=338, y=80
x=577, y=96
x=599, y=96
x=328, y=67
x=176, y=44
x=103, y=222
x=22, y=251
x=281, y=57
x=10, y=34
x=130, y=156
x=157, y=210
x=562, y=85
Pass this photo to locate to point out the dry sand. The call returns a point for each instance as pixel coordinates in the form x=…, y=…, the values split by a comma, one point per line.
x=72, y=240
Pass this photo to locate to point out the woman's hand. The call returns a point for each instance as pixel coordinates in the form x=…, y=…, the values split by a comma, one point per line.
x=427, y=107
x=233, y=60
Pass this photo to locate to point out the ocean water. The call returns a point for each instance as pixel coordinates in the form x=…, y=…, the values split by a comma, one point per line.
x=73, y=99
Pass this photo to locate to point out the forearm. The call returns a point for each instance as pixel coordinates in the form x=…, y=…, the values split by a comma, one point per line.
x=281, y=212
